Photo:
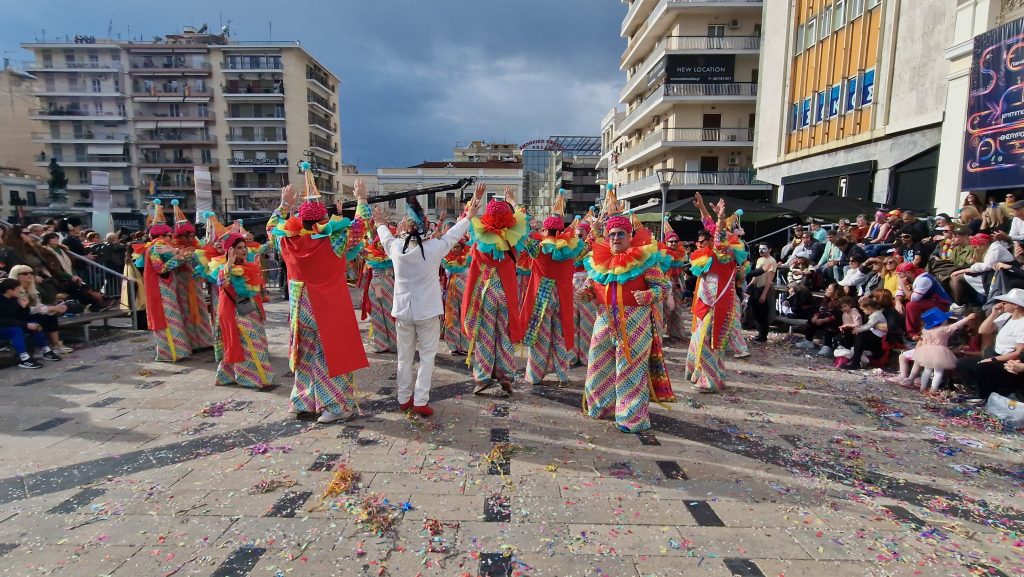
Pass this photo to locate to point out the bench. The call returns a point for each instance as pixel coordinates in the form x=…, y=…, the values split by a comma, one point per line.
x=85, y=320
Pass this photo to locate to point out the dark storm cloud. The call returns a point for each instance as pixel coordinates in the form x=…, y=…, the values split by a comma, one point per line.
x=417, y=75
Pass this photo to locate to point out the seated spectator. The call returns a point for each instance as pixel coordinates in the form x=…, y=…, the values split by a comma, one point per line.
x=851, y=318
x=45, y=315
x=799, y=302
x=843, y=227
x=925, y=292
x=890, y=280
x=869, y=336
x=917, y=227
x=849, y=249
x=787, y=249
x=887, y=235
x=971, y=218
x=994, y=221
x=16, y=321
x=969, y=285
x=1007, y=205
x=887, y=302
x=822, y=327
x=987, y=374
x=859, y=231
x=809, y=248
x=952, y=254
x=972, y=200
x=799, y=272
x=855, y=277
x=816, y=231
x=1016, y=232
x=830, y=257
x=910, y=249
x=873, y=269
x=875, y=228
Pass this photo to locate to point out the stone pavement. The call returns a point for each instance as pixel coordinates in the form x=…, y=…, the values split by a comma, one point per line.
x=109, y=467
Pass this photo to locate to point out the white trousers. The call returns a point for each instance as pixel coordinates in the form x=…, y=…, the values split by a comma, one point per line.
x=416, y=336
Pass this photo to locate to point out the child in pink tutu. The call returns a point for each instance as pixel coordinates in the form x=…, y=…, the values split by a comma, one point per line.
x=932, y=354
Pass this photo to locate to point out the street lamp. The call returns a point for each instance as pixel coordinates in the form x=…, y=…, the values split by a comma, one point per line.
x=665, y=180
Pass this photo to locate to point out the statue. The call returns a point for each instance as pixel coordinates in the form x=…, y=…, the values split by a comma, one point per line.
x=58, y=184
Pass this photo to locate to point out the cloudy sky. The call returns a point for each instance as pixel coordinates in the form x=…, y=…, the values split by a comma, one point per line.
x=417, y=75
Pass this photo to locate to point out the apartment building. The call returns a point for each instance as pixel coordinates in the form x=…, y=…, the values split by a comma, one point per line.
x=19, y=193
x=692, y=77
x=17, y=100
x=852, y=98
x=151, y=113
x=966, y=162
x=483, y=151
x=497, y=175
x=561, y=163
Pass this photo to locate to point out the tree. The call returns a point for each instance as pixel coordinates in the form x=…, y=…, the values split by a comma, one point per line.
x=58, y=182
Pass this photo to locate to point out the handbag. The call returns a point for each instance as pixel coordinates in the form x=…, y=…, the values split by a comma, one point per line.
x=244, y=306
x=1008, y=410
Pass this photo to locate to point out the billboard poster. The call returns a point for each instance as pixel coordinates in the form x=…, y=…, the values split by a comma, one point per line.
x=700, y=68
x=994, y=135
x=834, y=96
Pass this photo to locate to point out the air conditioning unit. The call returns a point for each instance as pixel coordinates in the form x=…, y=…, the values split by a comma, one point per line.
x=734, y=161
x=734, y=23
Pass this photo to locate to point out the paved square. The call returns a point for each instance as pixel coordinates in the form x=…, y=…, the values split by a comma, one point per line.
x=108, y=467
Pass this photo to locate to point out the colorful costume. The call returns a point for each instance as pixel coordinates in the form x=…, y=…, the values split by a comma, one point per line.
x=627, y=286
x=490, y=312
x=524, y=266
x=189, y=286
x=673, y=263
x=547, y=306
x=378, y=297
x=326, y=346
x=714, y=309
x=455, y=265
x=158, y=261
x=240, y=344
x=584, y=310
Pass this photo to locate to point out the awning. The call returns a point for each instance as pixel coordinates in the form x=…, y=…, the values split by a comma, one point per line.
x=106, y=149
x=180, y=124
x=149, y=171
x=144, y=124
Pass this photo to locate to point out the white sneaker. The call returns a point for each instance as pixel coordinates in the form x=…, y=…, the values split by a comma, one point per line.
x=328, y=417
x=825, y=351
x=63, y=349
x=843, y=352
x=805, y=345
x=741, y=355
x=956, y=309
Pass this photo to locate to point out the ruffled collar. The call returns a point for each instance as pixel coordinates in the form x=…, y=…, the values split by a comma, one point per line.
x=605, y=267
x=456, y=262
x=497, y=241
x=563, y=246
x=376, y=256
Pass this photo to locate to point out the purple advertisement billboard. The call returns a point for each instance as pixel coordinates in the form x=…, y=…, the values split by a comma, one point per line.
x=994, y=135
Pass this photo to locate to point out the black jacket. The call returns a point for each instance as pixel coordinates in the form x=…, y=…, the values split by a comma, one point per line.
x=12, y=314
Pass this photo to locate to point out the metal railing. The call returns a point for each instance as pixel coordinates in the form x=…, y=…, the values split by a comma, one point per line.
x=714, y=43
x=115, y=136
x=73, y=112
x=697, y=178
x=75, y=66
x=729, y=89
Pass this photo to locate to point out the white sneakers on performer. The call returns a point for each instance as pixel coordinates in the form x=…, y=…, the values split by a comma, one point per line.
x=329, y=417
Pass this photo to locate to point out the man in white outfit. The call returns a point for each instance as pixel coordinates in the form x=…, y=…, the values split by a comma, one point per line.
x=418, y=306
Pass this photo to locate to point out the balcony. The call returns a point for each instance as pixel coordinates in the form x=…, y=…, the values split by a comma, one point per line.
x=694, y=180
x=322, y=144
x=184, y=162
x=269, y=116
x=86, y=186
x=180, y=68
x=170, y=139
x=86, y=161
x=69, y=114
x=83, y=138
x=662, y=99
x=322, y=103
x=656, y=25
x=250, y=66
x=638, y=78
x=171, y=94
x=329, y=128
x=103, y=67
x=258, y=162
x=77, y=91
x=321, y=81
x=240, y=140
x=686, y=137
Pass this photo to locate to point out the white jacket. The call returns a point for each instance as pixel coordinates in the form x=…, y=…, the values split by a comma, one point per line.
x=417, y=284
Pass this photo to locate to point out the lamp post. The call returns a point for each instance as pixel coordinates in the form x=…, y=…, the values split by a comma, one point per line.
x=665, y=180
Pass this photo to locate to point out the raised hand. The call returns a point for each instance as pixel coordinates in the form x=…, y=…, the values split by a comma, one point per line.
x=720, y=207
x=287, y=197
x=360, y=190
x=481, y=188
x=510, y=195
x=474, y=205
x=380, y=214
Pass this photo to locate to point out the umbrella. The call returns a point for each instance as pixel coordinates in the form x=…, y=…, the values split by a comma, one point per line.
x=829, y=207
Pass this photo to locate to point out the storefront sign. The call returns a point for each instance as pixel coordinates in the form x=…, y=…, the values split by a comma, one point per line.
x=700, y=69
x=994, y=135
x=541, y=145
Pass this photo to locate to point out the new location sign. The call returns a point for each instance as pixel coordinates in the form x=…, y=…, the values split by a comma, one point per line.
x=700, y=69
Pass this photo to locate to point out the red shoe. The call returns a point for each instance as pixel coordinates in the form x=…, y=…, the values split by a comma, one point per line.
x=424, y=410
x=406, y=405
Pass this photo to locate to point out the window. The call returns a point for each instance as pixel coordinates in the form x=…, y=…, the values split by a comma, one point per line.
x=867, y=88
x=117, y=83
x=798, y=46
x=873, y=4
x=716, y=30
x=819, y=107
x=203, y=109
x=99, y=108
x=31, y=197
x=174, y=110
x=120, y=110
x=856, y=9
x=83, y=177
x=839, y=15
x=835, y=100
x=15, y=198
x=825, y=18
x=851, y=95
x=810, y=36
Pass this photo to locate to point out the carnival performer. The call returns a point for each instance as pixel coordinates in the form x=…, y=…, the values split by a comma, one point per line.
x=379, y=294
x=190, y=287
x=326, y=347
x=735, y=341
x=547, y=307
x=490, y=309
x=455, y=264
x=240, y=344
x=626, y=281
x=417, y=304
x=674, y=262
x=158, y=260
x=584, y=311
x=714, y=262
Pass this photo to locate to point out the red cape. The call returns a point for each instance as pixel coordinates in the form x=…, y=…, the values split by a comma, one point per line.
x=230, y=335
x=313, y=262
x=723, y=308
x=155, y=318
x=507, y=275
x=561, y=272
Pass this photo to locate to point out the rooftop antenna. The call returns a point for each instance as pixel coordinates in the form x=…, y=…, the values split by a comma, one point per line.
x=270, y=31
x=110, y=28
